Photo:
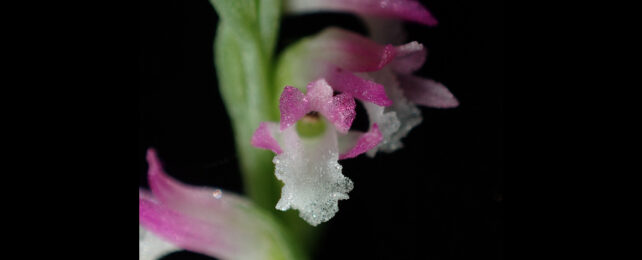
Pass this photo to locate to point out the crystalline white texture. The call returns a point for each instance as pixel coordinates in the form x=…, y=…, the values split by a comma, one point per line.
x=151, y=247
x=387, y=122
x=394, y=121
x=312, y=176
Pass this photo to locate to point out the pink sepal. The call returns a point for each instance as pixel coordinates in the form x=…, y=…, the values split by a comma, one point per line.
x=365, y=142
x=362, y=89
x=263, y=138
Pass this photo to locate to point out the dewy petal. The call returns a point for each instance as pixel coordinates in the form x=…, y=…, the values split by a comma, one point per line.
x=340, y=109
x=264, y=137
x=360, y=142
x=292, y=105
x=409, y=10
x=206, y=220
x=362, y=89
x=312, y=177
x=427, y=92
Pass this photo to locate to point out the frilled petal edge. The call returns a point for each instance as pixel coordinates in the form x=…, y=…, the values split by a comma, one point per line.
x=312, y=177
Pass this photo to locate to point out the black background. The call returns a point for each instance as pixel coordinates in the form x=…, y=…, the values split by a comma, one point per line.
x=440, y=197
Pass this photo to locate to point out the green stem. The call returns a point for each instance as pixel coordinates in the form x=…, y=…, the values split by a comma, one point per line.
x=244, y=46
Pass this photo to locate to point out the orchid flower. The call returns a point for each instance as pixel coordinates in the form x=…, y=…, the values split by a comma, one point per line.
x=388, y=65
x=350, y=61
x=313, y=132
x=209, y=221
x=312, y=136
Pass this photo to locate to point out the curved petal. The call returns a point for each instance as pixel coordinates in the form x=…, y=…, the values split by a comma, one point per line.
x=340, y=109
x=362, y=89
x=208, y=221
x=359, y=143
x=181, y=230
x=350, y=50
x=312, y=178
x=292, y=105
x=264, y=137
x=409, y=10
x=410, y=57
x=427, y=92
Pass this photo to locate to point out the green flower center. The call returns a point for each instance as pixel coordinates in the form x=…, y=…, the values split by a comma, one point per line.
x=311, y=125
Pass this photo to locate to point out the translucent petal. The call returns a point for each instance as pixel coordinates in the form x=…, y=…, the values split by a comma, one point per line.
x=312, y=177
x=410, y=57
x=427, y=92
x=409, y=10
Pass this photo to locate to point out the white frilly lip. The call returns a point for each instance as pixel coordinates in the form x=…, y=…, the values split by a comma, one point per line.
x=310, y=172
x=309, y=169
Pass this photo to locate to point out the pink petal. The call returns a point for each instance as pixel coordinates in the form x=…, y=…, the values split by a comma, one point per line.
x=182, y=230
x=263, y=138
x=292, y=105
x=340, y=109
x=410, y=57
x=342, y=112
x=427, y=92
x=198, y=202
x=351, y=51
x=364, y=143
x=204, y=220
x=366, y=90
x=409, y=10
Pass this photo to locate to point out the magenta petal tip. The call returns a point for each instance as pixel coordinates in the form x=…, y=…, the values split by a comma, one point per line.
x=365, y=142
x=292, y=105
x=262, y=138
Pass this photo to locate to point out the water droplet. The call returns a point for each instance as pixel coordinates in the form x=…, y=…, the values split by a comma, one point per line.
x=217, y=194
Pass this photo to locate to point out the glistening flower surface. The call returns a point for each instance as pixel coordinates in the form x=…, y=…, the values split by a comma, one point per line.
x=308, y=166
